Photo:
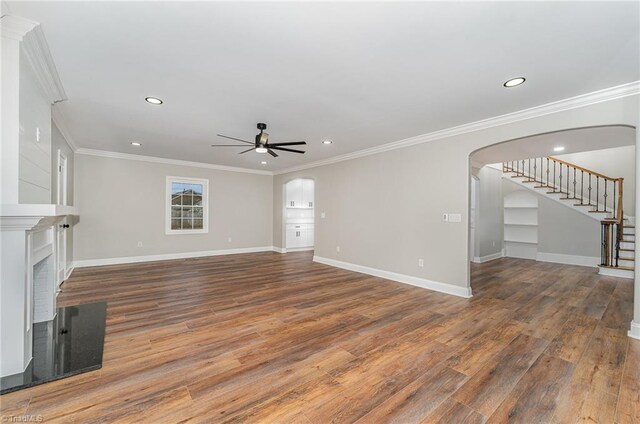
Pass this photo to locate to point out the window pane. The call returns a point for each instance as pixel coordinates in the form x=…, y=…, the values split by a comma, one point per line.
x=187, y=212
x=176, y=224
x=176, y=199
x=176, y=188
x=186, y=224
x=187, y=198
x=197, y=189
x=197, y=213
x=197, y=199
x=197, y=224
x=176, y=212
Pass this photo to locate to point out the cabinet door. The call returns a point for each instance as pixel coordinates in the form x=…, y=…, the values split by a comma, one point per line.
x=292, y=239
x=310, y=239
x=294, y=194
x=307, y=193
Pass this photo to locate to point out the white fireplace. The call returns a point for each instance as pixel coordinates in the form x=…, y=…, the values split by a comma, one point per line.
x=29, y=277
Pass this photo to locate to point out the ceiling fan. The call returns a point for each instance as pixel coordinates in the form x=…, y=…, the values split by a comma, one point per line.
x=262, y=145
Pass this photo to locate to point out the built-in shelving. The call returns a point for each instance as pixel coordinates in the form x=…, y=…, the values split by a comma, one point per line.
x=521, y=224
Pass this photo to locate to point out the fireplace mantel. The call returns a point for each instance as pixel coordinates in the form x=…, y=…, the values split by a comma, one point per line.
x=35, y=210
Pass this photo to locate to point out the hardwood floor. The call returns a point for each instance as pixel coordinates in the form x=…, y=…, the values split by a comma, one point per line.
x=277, y=338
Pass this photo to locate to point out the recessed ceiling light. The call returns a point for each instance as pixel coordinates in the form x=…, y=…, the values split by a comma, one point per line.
x=135, y=143
x=153, y=100
x=264, y=162
x=327, y=142
x=558, y=148
x=513, y=82
x=261, y=150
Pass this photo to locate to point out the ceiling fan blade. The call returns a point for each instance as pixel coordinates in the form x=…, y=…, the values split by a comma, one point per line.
x=285, y=149
x=289, y=143
x=233, y=138
x=248, y=150
x=227, y=145
x=272, y=153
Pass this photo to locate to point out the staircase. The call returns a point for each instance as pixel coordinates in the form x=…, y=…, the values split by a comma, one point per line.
x=591, y=193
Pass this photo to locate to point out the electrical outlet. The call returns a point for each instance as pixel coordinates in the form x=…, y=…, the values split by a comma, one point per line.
x=420, y=263
x=229, y=239
x=37, y=135
x=338, y=249
x=323, y=215
x=494, y=244
x=139, y=244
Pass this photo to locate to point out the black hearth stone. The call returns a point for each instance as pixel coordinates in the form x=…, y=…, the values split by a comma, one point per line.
x=70, y=344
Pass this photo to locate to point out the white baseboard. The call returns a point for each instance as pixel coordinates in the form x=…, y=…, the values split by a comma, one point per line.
x=279, y=249
x=487, y=258
x=403, y=278
x=169, y=256
x=634, y=332
x=568, y=259
x=299, y=249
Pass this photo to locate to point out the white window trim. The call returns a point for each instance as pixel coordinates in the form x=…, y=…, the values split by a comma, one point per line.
x=205, y=205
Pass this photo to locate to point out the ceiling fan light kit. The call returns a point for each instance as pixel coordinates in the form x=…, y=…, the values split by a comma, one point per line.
x=261, y=144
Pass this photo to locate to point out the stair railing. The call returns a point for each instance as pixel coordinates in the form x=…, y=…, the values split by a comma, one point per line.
x=586, y=188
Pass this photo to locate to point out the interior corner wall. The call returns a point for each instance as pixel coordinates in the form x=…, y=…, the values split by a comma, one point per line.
x=385, y=210
x=490, y=219
x=121, y=202
x=618, y=162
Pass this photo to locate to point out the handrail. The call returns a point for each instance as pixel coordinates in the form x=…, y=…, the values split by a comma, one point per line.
x=579, y=168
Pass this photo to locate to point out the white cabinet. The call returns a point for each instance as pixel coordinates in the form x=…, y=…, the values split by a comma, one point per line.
x=294, y=194
x=307, y=193
x=299, y=193
x=299, y=235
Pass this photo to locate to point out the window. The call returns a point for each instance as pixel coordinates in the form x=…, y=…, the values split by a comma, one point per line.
x=187, y=206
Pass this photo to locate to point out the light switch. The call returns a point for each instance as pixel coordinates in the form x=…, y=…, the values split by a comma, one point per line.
x=455, y=217
x=323, y=215
x=445, y=217
x=37, y=135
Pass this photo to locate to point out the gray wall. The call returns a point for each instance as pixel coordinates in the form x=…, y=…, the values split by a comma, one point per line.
x=34, y=168
x=617, y=162
x=490, y=223
x=58, y=142
x=121, y=202
x=385, y=210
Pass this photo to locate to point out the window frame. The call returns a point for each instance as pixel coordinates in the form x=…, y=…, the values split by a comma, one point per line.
x=205, y=205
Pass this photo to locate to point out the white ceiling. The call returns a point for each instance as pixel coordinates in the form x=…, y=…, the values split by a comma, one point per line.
x=362, y=74
x=574, y=141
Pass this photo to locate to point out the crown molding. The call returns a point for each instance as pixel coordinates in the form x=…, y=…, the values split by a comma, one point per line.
x=607, y=94
x=60, y=120
x=15, y=27
x=153, y=159
x=37, y=52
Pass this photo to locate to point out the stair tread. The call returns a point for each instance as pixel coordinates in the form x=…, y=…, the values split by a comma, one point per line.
x=624, y=268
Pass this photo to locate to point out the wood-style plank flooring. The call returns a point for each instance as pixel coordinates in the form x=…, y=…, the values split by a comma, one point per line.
x=274, y=338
